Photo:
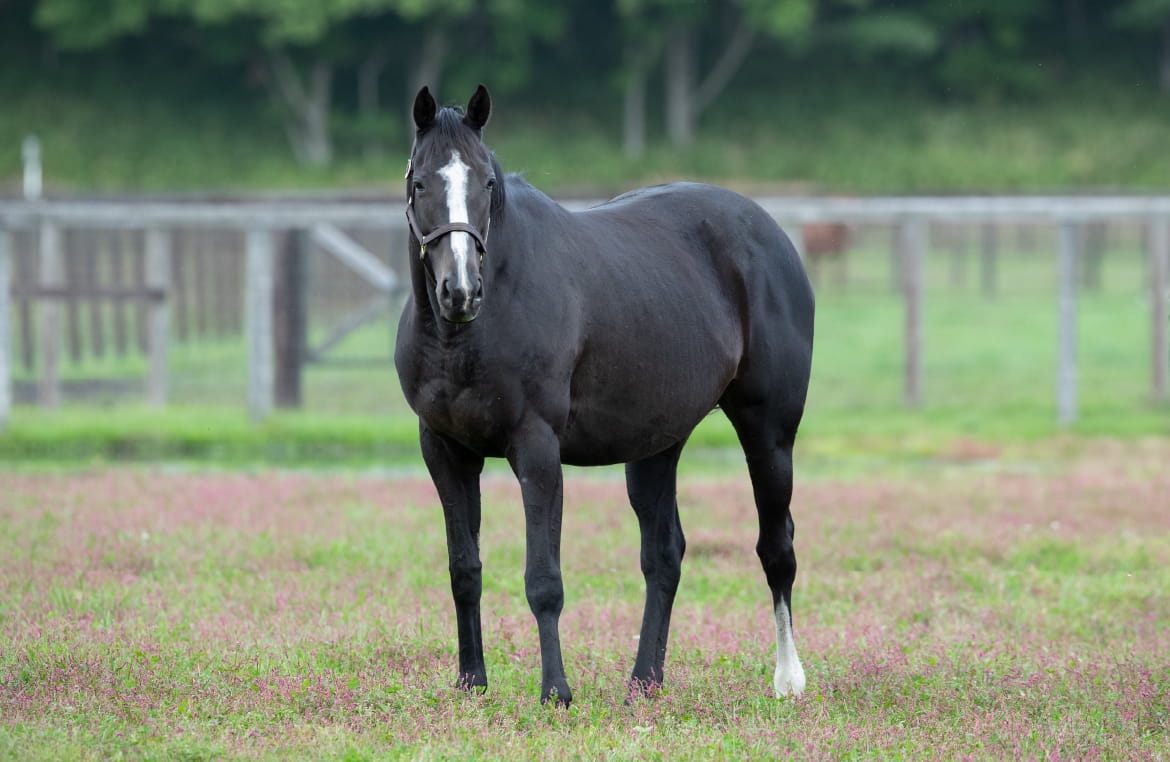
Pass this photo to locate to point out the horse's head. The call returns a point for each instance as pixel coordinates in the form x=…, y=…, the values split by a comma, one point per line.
x=452, y=190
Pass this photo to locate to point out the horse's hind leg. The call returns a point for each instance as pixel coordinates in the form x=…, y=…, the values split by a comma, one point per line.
x=651, y=485
x=767, y=439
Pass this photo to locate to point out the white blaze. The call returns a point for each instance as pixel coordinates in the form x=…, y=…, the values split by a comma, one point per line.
x=455, y=175
x=789, y=680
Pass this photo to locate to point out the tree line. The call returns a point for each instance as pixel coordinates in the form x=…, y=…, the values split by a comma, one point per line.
x=353, y=64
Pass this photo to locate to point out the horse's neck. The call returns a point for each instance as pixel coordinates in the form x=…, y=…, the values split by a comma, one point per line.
x=527, y=209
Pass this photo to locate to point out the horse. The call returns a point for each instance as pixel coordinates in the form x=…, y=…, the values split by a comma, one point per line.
x=549, y=337
x=824, y=243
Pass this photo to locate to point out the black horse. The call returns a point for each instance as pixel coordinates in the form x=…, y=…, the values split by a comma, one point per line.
x=547, y=337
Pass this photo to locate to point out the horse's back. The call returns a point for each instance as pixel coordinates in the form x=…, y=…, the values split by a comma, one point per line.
x=737, y=239
x=735, y=224
x=688, y=282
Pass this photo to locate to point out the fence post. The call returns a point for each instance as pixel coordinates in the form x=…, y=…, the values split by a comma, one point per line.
x=958, y=270
x=258, y=321
x=912, y=244
x=91, y=273
x=33, y=176
x=158, y=277
x=5, y=328
x=989, y=254
x=1066, y=349
x=290, y=318
x=1159, y=243
x=52, y=275
x=795, y=233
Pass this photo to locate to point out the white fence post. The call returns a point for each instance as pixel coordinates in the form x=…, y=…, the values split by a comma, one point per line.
x=911, y=246
x=258, y=322
x=33, y=179
x=158, y=276
x=795, y=233
x=5, y=328
x=988, y=259
x=1066, y=347
x=1159, y=243
x=52, y=276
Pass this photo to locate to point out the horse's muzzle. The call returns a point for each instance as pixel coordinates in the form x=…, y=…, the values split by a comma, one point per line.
x=458, y=304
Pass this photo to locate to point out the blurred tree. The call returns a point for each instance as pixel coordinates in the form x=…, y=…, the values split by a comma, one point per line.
x=301, y=43
x=516, y=28
x=330, y=68
x=1148, y=16
x=988, y=47
x=676, y=29
x=643, y=28
x=298, y=46
x=871, y=29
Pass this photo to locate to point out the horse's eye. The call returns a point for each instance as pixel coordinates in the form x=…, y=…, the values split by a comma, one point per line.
x=491, y=183
x=419, y=187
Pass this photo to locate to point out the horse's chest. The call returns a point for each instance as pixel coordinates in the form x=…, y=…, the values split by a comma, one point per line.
x=474, y=414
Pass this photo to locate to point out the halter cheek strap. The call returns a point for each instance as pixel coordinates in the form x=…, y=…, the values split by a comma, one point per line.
x=442, y=230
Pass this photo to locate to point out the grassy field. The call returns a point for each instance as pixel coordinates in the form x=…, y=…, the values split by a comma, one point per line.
x=1010, y=609
x=975, y=581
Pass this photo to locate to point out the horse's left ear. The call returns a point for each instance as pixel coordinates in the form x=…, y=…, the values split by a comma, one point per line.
x=479, y=108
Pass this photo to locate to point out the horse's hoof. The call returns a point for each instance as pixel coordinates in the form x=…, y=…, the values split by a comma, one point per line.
x=789, y=682
x=472, y=683
x=638, y=688
x=560, y=697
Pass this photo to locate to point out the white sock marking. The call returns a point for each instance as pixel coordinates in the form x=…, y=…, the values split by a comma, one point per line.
x=789, y=679
x=455, y=174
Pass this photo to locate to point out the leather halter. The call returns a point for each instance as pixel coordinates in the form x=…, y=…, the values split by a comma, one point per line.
x=440, y=231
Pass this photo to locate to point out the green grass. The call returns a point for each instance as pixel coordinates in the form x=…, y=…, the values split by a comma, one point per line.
x=957, y=612
x=130, y=136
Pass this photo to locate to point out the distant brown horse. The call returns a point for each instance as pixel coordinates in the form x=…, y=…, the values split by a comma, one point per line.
x=826, y=243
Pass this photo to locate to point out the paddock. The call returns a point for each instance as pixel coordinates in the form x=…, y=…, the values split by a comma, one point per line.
x=243, y=270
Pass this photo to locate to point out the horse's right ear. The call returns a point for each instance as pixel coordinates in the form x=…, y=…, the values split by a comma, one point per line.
x=479, y=108
x=424, y=109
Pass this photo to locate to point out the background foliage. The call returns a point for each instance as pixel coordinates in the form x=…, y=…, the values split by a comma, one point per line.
x=242, y=87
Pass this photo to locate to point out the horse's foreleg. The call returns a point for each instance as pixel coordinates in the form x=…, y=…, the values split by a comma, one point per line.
x=455, y=472
x=535, y=459
x=651, y=485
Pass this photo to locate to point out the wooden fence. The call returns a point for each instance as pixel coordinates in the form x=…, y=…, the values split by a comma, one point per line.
x=102, y=279
x=159, y=282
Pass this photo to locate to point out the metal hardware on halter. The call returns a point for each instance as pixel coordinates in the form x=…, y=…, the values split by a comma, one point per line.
x=442, y=230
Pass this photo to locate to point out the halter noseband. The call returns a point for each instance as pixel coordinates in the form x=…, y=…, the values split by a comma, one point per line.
x=440, y=231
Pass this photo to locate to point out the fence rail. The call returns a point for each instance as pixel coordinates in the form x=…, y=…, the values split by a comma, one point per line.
x=261, y=221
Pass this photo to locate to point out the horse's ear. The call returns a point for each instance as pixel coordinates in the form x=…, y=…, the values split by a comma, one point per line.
x=424, y=109
x=479, y=108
